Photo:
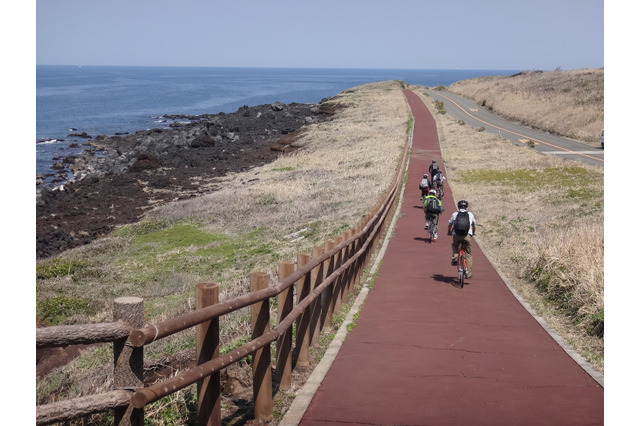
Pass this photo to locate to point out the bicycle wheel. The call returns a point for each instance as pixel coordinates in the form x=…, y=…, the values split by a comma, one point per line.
x=440, y=192
x=462, y=267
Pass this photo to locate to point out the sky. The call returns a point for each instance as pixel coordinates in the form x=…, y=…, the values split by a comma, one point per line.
x=413, y=34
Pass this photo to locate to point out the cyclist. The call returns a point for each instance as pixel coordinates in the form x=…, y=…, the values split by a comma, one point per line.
x=433, y=169
x=438, y=180
x=432, y=209
x=424, y=186
x=462, y=232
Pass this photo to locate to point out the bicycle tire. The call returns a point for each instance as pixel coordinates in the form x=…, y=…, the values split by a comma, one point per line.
x=462, y=267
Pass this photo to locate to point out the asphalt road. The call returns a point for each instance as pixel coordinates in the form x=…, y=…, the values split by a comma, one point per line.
x=472, y=114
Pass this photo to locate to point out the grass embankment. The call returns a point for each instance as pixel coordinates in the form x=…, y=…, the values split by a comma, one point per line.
x=540, y=221
x=567, y=103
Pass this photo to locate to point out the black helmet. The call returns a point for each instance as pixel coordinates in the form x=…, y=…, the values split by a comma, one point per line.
x=425, y=175
x=463, y=204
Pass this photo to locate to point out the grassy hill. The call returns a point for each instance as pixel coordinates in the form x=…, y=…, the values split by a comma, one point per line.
x=567, y=103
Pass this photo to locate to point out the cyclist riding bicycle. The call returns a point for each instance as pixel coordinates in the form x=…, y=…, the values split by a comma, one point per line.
x=438, y=180
x=424, y=186
x=462, y=225
x=433, y=169
x=432, y=209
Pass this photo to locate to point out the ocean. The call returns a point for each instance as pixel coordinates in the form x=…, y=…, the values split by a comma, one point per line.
x=112, y=99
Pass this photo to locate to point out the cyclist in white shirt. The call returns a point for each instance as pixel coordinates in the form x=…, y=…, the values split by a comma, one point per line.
x=463, y=235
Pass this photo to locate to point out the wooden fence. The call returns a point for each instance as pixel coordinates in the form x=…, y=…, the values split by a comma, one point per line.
x=324, y=280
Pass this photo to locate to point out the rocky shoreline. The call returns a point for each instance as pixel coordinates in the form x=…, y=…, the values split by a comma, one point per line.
x=116, y=179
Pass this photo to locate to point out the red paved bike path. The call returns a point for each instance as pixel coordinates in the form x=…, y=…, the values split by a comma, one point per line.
x=426, y=352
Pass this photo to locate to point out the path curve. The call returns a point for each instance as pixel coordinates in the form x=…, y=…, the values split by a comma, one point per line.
x=461, y=108
x=425, y=352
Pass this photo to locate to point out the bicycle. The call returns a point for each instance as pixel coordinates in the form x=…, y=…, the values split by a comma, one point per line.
x=431, y=230
x=462, y=266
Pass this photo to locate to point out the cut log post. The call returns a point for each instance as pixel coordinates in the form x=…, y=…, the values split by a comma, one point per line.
x=285, y=342
x=262, y=384
x=316, y=306
x=128, y=361
x=208, y=348
x=327, y=295
x=303, y=337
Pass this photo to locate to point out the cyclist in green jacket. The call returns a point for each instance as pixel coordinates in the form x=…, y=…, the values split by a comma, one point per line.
x=432, y=209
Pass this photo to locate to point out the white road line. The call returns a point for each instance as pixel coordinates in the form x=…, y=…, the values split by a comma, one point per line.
x=572, y=152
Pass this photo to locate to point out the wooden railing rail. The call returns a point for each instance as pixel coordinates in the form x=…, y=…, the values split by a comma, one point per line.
x=159, y=390
x=150, y=333
x=324, y=280
x=65, y=335
x=128, y=313
x=79, y=407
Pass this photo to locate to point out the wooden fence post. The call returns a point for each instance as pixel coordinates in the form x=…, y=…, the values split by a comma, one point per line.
x=316, y=306
x=208, y=348
x=128, y=362
x=347, y=253
x=327, y=295
x=360, y=264
x=302, y=328
x=353, y=269
x=346, y=276
x=262, y=386
x=285, y=342
x=339, y=284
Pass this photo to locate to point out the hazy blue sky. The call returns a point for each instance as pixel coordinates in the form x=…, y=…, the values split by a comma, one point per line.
x=442, y=34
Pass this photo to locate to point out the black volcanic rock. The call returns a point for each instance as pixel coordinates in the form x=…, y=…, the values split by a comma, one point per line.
x=115, y=178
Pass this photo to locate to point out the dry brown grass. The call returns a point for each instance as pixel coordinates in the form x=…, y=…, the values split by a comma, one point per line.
x=567, y=103
x=344, y=168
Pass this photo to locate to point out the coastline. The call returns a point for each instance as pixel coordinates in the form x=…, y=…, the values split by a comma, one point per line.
x=118, y=179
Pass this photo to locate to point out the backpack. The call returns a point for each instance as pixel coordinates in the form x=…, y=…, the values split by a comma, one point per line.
x=462, y=225
x=432, y=205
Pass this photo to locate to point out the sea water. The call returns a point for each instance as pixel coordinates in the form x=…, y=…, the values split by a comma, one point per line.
x=111, y=100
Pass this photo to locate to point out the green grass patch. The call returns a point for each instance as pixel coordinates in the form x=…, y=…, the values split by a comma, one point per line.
x=56, y=310
x=140, y=228
x=410, y=122
x=565, y=179
x=185, y=248
x=59, y=267
x=177, y=236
